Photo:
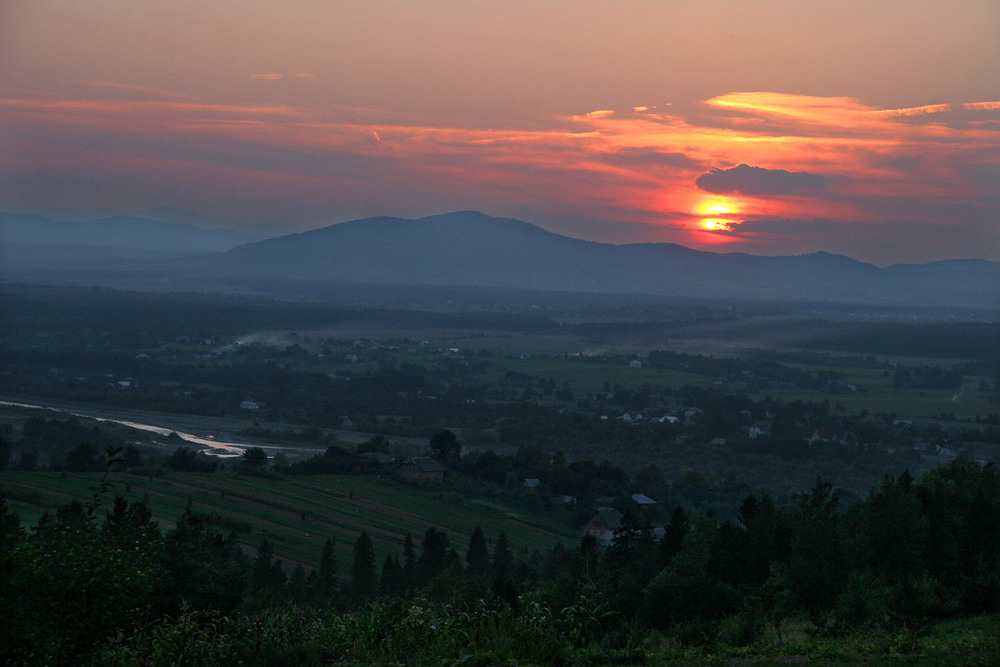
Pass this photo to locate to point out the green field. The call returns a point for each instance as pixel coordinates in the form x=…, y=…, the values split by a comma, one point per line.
x=297, y=514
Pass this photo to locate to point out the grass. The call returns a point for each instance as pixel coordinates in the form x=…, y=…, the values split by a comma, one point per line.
x=967, y=641
x=297, y=514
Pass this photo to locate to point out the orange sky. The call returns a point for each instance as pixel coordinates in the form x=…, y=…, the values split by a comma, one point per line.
x=870, y=129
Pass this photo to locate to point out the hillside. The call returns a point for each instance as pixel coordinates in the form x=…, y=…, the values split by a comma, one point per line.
x=297, y=514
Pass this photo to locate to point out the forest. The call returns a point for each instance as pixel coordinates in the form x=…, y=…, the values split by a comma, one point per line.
x=111, y=586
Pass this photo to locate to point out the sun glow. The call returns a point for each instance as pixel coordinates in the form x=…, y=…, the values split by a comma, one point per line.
x=717, y=213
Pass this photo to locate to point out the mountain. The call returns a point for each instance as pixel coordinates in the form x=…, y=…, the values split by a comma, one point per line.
x=119, y=231
x=466, y=250
x=471, y=249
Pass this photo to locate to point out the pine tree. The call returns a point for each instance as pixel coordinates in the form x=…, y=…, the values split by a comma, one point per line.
x=392, y=583
x=268, y=578
x=503, y=559
x=673, y=537
x=433, y=555
x=297, y=589
x=409, y=563
x=364, y=581
x=325, y=582
x=478, y=555
x=503, y=588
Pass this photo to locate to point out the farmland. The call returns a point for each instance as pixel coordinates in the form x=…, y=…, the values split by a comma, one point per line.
x=296, y=515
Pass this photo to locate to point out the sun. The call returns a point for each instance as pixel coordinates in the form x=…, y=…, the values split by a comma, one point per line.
x=717, y=213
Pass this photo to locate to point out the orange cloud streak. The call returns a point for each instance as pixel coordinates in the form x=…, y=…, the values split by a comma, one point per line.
x=641, y=163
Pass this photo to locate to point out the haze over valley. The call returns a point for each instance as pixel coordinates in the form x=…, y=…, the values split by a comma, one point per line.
x=467, y=250
x=451, y=333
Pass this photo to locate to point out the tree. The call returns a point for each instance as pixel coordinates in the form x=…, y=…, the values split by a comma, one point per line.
x=764, y=540
x=433, y=555
x=83, y=458
x=187, y=460
x=409, y=563
x=267, y=581
x=297, y=588
x=446, y=448
x=392, y=582
x=203, y=569
x=503, y=588
x=478, y=555
x=364, y=581
x=686, y=590
x=817, y=570
x=325, y=582
x=673, y=537
x=254, y=457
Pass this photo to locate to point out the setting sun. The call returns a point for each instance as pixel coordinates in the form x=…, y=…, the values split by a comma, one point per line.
x=717, y=213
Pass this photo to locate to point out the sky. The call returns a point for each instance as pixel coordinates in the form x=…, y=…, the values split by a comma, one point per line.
x=869, y=128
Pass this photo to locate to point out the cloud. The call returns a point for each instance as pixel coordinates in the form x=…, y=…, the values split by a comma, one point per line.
x=841, y=160
x=758, y=226
x=747, y=180
x=278, y=76
x=982, y=106
x=925, y=110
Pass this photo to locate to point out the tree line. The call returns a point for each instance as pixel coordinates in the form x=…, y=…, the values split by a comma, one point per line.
x=85, y=579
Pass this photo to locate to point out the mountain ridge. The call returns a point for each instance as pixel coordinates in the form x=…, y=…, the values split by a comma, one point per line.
x=472, y=249
x=464, y=249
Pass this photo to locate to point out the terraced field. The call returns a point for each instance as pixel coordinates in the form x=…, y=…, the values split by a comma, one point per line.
x=297, y=514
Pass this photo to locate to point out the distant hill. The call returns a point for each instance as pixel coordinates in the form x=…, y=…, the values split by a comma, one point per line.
x=464, y=250
x=471, y=249
x=119, y=231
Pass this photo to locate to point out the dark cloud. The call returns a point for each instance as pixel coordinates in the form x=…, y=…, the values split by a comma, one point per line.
x=747, y=180
x=758, y=226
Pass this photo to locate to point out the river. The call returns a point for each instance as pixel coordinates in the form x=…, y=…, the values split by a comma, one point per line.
x=219, y=448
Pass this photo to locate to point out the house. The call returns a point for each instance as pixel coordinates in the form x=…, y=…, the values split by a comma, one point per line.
x=421, y=469
x=249, y=405
x=562, y=501
x=643, y=501
x=603, y=525
x=532, y=482
x=823, y=435
x=760, y=429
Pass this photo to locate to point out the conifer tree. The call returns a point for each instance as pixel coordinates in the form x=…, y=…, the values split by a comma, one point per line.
x=503, y=588
x=433, y=555
x=409, y=563
x=364, y=581
x=325, y=582
x=392, y=583
x=478, y=555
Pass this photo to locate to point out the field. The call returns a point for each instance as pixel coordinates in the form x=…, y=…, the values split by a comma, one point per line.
x=297, y=514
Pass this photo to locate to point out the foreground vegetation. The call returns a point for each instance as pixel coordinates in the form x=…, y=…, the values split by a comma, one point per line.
x=889, y=577
x=296, y=514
